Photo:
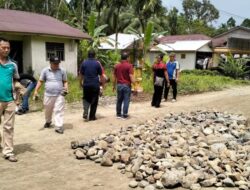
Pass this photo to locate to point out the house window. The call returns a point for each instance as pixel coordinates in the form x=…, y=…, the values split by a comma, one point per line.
x=55, y=49
x=183, y=56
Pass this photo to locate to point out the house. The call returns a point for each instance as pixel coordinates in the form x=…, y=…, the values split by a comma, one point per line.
x=35, y=37
x=235, y=41
x=188, y=48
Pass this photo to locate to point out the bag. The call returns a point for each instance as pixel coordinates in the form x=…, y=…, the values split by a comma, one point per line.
x=158, y=81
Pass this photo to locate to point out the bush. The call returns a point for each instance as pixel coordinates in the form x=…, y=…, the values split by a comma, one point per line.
x=201, y=72
x=235, y=68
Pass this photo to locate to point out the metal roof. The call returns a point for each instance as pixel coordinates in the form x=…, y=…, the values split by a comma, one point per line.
x=188, y=37
x=124, y=41
x=191, y=45
x=13, y=21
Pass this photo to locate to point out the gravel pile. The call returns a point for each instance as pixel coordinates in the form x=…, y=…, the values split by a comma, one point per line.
x=192, y=150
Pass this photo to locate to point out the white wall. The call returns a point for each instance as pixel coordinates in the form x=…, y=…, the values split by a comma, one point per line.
x=39, y=54
x=187, y=63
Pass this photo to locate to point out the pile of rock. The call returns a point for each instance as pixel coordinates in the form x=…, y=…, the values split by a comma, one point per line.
x=194, y=150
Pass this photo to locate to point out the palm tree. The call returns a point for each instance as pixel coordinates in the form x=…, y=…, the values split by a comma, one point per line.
x=145, y=9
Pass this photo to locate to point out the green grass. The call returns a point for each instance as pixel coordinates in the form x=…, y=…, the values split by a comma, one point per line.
x=190, y=83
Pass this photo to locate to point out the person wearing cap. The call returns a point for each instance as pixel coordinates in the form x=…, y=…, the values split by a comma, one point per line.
x=91, y=77
x=173, y=69
x=56, y=87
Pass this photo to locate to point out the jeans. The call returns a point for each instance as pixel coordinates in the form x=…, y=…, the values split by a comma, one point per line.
x=123, y=97
x=25, y=102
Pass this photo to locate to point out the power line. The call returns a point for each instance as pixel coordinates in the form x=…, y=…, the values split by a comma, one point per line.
x=232, y=14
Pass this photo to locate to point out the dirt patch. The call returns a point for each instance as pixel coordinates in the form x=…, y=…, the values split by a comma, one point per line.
x=46, y=160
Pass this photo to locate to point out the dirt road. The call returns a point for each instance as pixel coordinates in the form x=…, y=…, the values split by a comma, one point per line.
x=46, y=161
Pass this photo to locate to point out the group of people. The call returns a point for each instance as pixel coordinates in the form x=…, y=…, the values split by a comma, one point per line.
x=166, y=75
x=92, y=82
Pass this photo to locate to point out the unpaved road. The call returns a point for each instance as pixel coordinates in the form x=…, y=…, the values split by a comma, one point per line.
x=46, y=161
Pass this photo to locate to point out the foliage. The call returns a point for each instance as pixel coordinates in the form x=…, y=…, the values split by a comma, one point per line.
x=191, y=83
x=200, y=72
x=196, y=10
x=246, y=23
x=235, y=68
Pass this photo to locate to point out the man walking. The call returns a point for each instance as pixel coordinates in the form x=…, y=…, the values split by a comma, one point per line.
x=8, y=73
x=90, y=77
x=173, y=69
x=123, y=78
x=56, y=87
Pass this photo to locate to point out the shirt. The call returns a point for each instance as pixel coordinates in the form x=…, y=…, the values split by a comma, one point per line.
x=91, y=70
x=8, y=72
x=122, y=72
x=172, y=68
x=53, y=80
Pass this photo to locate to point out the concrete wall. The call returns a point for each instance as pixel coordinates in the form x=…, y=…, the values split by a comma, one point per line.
x=39, y=54
x=186, y=63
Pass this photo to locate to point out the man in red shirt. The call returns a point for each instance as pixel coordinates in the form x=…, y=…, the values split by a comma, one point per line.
x=123, y=78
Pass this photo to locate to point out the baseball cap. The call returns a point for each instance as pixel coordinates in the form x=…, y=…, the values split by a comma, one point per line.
x=172, y=54
x=54, y=59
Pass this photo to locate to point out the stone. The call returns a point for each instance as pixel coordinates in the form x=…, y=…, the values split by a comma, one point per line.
x=133, y=184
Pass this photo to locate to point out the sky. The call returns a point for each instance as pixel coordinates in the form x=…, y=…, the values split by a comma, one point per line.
x=238, y=9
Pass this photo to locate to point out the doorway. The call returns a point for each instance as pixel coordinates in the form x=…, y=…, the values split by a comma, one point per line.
x=16, y=53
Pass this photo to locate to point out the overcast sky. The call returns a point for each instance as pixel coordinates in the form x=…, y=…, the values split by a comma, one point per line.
x=238, y=9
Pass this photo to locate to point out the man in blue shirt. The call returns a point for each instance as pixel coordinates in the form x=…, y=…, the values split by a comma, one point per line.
x=173, y=69
x=90, y=75
x=9, y=74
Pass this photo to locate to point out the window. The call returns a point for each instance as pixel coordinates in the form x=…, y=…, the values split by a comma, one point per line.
x=55, y=49
x=183, y=56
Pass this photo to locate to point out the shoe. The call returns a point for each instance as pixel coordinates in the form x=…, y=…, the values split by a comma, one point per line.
x=20, y=112
x=47, y=125
x=92, y=119
x=173, y=100
x=119, y=116
x=85, y=116
x=124, y=117
x=60, y=131
x=165, y=100
x=11, y=157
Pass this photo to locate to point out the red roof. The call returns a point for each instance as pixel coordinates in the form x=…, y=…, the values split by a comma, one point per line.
x=32, y=23
x=190, y=37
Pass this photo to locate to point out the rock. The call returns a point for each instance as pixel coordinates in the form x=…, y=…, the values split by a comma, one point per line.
x=172, y=179
x=159, y=185
x=195, y=186
x=228, y=182
x=133, y=184
x=143, y=183
x=80, y=153
x=209, y=182
x=149, y=187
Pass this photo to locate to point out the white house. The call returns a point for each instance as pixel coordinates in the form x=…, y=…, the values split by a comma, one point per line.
x=188, y=49
x=35, y=37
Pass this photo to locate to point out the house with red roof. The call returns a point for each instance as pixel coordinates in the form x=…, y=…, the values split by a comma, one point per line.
x=189, y=49
x=36, y=37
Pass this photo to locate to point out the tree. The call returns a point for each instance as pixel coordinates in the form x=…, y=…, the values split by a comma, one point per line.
x=145, y=9
x=173, y=21
x=231, y=22
x=196, y=10
x=246, y=23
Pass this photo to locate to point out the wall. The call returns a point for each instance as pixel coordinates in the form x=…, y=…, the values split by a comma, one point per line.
x=39, y=54
x=186, y=63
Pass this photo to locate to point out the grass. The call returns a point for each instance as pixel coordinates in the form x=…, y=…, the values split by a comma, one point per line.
x=191, y=82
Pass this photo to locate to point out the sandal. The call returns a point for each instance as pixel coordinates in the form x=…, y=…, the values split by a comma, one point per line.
x=11, y=158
